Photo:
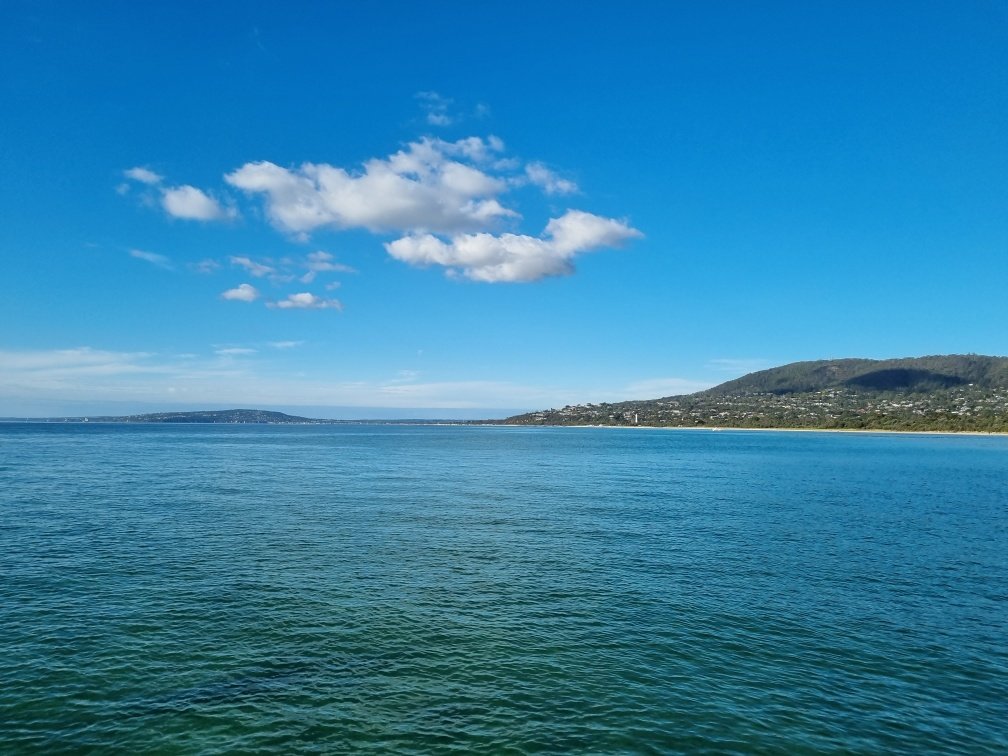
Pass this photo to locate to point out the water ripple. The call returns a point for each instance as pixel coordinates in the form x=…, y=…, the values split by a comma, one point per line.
x=429, y=590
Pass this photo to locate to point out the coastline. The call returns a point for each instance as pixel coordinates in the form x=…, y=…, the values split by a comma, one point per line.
x=782, y=430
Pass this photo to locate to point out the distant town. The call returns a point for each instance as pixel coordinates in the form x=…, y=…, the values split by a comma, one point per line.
x=965, y=409
x=942, y=393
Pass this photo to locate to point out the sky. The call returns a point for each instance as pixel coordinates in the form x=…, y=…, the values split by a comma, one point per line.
x=471, y=209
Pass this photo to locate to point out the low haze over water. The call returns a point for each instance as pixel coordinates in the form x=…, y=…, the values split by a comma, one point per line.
x=423, y=589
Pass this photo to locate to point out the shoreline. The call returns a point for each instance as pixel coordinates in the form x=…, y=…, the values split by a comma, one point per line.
x=492, y=424
x=782, y=430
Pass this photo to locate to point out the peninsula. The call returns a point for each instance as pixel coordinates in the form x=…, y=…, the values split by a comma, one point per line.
x=231, y=416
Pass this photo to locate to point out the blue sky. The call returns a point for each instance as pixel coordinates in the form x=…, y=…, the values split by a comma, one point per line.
x=459, y=209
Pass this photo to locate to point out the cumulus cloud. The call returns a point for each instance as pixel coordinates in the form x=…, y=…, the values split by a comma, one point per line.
x=548, y=181
x=185, y=201
x=242, y=293
x=152, y=257
x=143, y=175
x=419, y=189
x=516, y=257
x=446, y=201
x=307, y=301
x=190, y=203
x=577, y=231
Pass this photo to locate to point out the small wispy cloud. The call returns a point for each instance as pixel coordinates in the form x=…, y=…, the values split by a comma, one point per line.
x=205, y=266
x=405, y=376
x=241, y=293
x=435, y=107
x=306, y=301
x=86, y=374
x=547, y=180
x=143, y=175
x=285, y=344
x=322, y=262
x=234, y=351
x=259, y=270
x=739, y=366
x=153, y=258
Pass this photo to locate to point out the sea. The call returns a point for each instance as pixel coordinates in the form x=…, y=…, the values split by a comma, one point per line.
x=418, y=589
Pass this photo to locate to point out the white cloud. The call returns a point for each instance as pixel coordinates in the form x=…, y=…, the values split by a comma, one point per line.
x=285, y=344
x=474, y=148
x=446, y=200
x=151, y=257
x=435, y=107
x=143, y=175
x=205, y=266
x=405, y=376
x=516, y=257
x=234, y=351
x=321, y=262
x=577, y=231
x=740, y=366
x=419, y=189
x=549, y=181
x=307, y=301
x=83, y=359
x=242, y=293
x=256, y=269
x=190, y=203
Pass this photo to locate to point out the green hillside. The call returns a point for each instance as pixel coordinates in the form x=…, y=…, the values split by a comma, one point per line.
x=915, y=374
x=937, y=393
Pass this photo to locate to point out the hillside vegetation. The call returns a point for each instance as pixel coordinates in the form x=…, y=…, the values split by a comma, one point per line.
x=940, y=393
x=915, y=374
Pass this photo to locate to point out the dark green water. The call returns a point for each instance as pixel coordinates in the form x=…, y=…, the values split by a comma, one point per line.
x=202, y=589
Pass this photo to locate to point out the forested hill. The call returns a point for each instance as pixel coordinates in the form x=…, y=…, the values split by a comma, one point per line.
x=941, y=393
x=914, y=374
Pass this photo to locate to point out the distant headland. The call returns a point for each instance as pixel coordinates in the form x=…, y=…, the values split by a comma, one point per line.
x=227, y=417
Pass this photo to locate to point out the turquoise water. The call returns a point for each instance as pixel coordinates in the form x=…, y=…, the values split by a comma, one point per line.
x=186, y=589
